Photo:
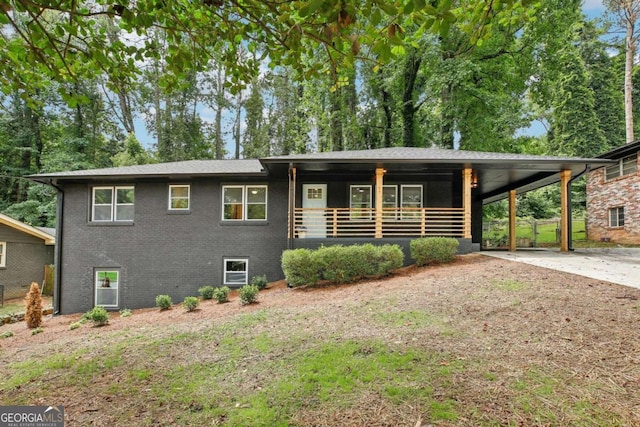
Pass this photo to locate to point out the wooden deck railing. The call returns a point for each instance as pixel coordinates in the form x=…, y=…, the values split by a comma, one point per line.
x=361, y=222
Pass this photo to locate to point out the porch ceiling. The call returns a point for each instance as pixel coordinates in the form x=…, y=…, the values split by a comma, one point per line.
x=498, y=173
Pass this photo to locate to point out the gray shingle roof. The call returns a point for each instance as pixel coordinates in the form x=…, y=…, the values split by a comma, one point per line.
x=414, y=153
x=189, y=167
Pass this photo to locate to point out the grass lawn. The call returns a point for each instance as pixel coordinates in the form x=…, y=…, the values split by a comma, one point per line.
x=482, y=342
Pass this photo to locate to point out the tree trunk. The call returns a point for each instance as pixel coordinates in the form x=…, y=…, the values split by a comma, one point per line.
x=411, y=67
x=628, y=75
x=337, y=143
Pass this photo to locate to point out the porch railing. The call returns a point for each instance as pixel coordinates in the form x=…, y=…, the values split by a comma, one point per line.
x=361, y=222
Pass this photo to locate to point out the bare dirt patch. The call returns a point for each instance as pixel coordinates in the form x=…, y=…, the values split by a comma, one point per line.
x=529, y=344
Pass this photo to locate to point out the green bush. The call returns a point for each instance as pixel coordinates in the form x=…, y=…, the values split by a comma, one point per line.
x=340, y=264
x=98, y=315
x=125, y=312
x=298, y=268
x=221, y=294
x=6, y=334
x=75, y=325
x=191, y=303
x=164, y=302
x=206, y=292
x=428, y=250
x=248, y=294
x=259, y=281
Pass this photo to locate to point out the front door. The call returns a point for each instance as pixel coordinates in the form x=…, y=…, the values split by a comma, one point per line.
x=314, y=221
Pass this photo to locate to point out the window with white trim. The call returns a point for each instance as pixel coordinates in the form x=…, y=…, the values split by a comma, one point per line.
x=3, y=254
x=107, y=282
x=410, y=200
x=112, y=203
x=179, y=197
x=244, y=202
x=389, y=201
x=236, y=271
x=360, y=201
x=624, y=166
x=616, y=217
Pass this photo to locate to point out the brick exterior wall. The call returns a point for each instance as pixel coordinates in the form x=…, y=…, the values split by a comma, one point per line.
x=26, y=257
x=603, y=195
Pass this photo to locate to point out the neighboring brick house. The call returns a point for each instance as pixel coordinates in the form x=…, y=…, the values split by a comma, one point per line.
x=128, y=234
x=24, y=252
x=613, y=197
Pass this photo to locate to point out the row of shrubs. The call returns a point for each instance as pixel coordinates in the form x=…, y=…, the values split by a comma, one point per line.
x=343, y=264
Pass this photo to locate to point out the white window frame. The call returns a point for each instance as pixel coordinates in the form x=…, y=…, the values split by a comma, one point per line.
x=625, y=166
x=3, y=254
x=614, y=213
x=226, y=272
x=98, y=286
x=172, y=197
x=387, y=205
x=411, y=214
x=355, y=214
x=114, y=203
x=245, y=202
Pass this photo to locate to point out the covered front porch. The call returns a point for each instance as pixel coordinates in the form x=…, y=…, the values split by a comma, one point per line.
x=399, y=194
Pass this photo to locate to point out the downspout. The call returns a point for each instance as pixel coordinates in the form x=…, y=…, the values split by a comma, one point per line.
x=570, y=209
x=57, y=256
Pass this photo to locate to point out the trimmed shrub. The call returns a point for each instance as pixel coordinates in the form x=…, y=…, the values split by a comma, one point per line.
x=33, y=301
x=191, y=303
x=340, y=264
x=98, y=315
x=248, y=294
x=206, y=292
x=221, y=294
x=164, y=302
x=428, y=250
x=259, y=281
x=298, y=268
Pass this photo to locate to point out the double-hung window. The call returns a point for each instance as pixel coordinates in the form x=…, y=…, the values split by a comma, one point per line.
x=244, y=202
x=616, y=217
x=179, y=197
x=3, y=254
x=389, y=201
x=106, y=286
x=236, y=271
x=624, y=166
x=112, y=204
x=360, y=201
x=411, y=201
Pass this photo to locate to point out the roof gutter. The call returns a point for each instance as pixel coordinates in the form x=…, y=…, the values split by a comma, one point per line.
x=570, y=207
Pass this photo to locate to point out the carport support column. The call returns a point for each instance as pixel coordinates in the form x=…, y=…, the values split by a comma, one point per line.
x=512, y=220
x=466, y=202
x=379, y=186
x=565, y=213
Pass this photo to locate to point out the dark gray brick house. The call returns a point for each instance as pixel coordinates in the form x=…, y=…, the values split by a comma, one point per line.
x=127, y=234
x=24, y=252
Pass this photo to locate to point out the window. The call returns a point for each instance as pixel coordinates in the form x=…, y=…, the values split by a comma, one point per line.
x=315, y=193
x=3, y=254
x=411, y=201
x=107, y=283
x=236, y=272
x=244, y=202
x=389, y=201
x=112, y=204
x=179, y=197
x=616, y=217
x=360, y=202
x=625, y=166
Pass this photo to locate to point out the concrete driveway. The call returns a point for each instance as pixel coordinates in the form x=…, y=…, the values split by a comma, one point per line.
x=615, y=265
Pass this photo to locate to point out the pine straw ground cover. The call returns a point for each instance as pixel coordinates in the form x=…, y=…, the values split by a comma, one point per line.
x=479, y=342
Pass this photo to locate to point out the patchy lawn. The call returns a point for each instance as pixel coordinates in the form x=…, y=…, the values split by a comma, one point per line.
x=481, y=342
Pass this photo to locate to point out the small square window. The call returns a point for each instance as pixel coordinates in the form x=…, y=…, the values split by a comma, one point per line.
x=236, y=272
x=314, y=193
x=616, y=217
x=179, y=197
